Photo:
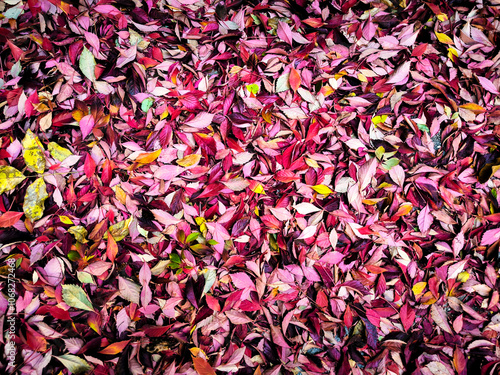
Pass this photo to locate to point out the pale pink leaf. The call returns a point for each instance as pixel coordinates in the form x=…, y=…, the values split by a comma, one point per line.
x=425, y=219
x=86, y=125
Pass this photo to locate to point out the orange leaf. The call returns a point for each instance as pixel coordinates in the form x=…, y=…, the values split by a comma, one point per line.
x=202, y=367
x=473, y=107
x=148, y=157
x=112, y=248
x=294, y=79
x=115, y=347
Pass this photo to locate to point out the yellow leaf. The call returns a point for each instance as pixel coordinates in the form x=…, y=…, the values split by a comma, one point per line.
x=418, y=288
x=9, y=178
x=258, y=189
x=79, y=232
x=65, y=220
x=312, y=163
x=362, y=77
x=322, y=189
x=33, y=152
x=442, y=17
x=119, y=231
x=443, y=38
x=372, y=201
x=120, y=194
x=463, y=276
x=235, y=70
x=164, y=115
x=58, y=152
x=189, y=160
x=148, y=157
x=379, y=119
x=404, y=209
x=34, y=200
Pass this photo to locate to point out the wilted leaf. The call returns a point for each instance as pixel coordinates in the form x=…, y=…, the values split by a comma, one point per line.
x=74, y=363
x=33, y=152
x=9, y=178
x=34, y=200
x=58, y=152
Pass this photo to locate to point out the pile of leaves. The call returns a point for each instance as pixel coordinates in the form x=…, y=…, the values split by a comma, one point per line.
x=247, y=187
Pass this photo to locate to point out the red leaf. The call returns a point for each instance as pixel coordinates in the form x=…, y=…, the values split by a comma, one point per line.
x=294, y=79
x=9, y=218
x=89, y=166
x=407, y=315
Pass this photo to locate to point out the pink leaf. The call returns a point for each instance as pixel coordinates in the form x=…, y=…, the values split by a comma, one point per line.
x=86, y=125
x=488, y=85
x=400, y=73
x=284, y=32
x=425, y=219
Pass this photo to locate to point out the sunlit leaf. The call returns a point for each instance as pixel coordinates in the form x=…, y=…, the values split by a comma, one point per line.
x=75, y=296
x=9, y=178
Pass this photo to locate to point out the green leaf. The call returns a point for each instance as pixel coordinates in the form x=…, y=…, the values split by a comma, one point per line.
x=193, y=236
x=87, y=64
x=33, y=152
x=379, y=152
x=253, y=88
x=391, y=163
x=9, y=178
x=58, y=152
x=76, y=297
x=119, y=230
x=74, y=364
x=146, y=104
x=36, y=194
x=79, y=232
x=423, y=127
x=85, y=277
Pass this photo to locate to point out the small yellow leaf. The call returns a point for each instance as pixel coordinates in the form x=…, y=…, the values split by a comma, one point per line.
x=418, y=288
x=362, y=77
x=235, y=70
x=443, y=38
x=65, y=220
x=189, y=160
x=79, y=232
x=258, y=189
x=34, y=200
x=33, y=152
x=58, y=152
x=148, y=157
x=442, y=17
x=312, y=163
x=322, y=189
x=9, y=178
x=379, y=119
x=463, y=276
